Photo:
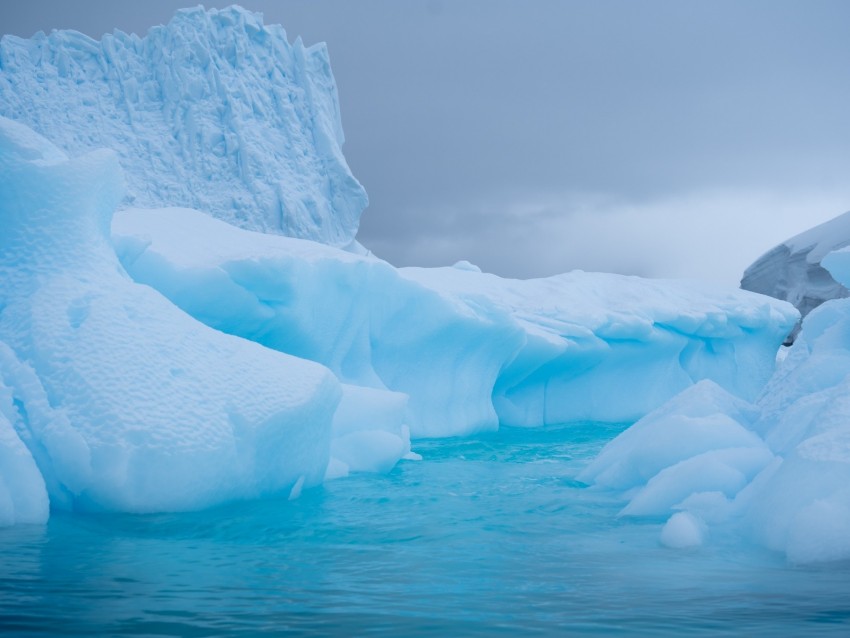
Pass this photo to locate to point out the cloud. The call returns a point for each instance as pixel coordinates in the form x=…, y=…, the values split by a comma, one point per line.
x=709, y=235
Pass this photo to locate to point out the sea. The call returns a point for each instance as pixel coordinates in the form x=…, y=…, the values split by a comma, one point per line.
x=485, y=536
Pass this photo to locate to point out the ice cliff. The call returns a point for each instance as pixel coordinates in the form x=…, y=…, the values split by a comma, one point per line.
x=214, y=111
x=792, y=270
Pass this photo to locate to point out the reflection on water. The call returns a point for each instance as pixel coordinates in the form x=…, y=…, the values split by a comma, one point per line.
x=483, y=536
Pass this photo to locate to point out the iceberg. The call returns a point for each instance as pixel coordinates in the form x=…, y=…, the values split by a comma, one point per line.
x=215, y=111
x=775, y=471
x=223, y=337
x=793, y=270
x=113, y=398
x=471, y=350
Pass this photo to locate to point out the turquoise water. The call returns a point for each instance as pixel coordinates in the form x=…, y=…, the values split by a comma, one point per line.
x=484, y=536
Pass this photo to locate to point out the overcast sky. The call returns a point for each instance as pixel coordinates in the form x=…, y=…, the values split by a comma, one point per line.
x=660, y=138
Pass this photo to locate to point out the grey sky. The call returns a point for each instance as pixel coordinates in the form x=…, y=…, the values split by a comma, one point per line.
x=672, y=138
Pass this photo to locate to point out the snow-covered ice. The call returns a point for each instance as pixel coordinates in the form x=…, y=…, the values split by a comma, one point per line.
x=215, y=111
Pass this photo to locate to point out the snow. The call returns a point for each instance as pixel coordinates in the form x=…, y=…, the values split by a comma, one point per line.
x=214, y=111
x=471, y=350
x=793, y=270
x=123, y=401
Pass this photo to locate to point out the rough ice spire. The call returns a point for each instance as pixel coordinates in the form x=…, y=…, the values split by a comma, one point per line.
x=214, y=111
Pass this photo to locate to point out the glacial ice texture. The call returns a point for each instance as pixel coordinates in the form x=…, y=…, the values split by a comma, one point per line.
x=214, y=111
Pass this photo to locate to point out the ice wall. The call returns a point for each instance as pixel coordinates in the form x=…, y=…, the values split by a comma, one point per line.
x=215, y=111
x=792, y=270
x=470, y=349
x=776, y=471
x=120, y=399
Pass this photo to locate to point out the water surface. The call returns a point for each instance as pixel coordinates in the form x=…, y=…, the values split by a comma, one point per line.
x=484, y=536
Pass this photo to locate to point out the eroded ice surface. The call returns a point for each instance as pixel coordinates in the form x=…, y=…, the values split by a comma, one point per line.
x=470, y=349
x=215, y=111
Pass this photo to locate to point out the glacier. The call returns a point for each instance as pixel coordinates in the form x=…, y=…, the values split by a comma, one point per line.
x=793, y=270
x=214, y=111
x=774, y=471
